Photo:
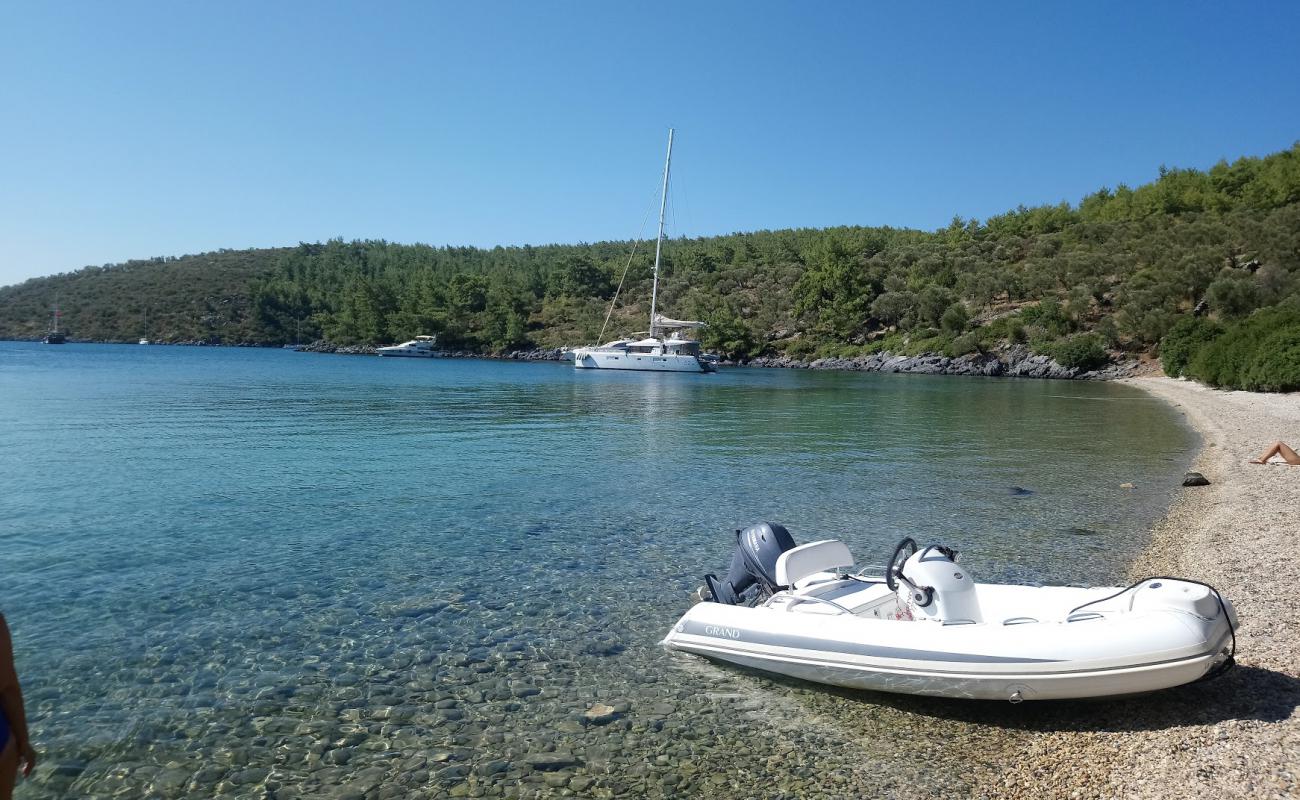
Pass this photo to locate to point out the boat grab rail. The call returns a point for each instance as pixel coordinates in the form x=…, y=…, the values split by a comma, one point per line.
x=877, y=570
x=1083, y=616
x=795, y=599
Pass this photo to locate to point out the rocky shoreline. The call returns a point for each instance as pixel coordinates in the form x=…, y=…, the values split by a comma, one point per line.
x=1008, y=361
x=1014, y=361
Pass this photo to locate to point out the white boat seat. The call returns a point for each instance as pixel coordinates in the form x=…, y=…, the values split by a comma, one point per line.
x=810, y=559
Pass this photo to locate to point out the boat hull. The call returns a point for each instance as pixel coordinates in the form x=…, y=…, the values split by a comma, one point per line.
x=641, y=362
x=1129, y=654
x=404, y=354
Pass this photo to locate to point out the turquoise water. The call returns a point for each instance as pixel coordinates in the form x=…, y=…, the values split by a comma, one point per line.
x=266, y=573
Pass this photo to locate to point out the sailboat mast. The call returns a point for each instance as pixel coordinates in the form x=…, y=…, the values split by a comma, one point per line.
x=663, y=204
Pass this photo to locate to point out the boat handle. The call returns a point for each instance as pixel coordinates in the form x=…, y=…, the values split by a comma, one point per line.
x=919, y=593
x=794, y=599
x=1018, y=620
x=1085, y=615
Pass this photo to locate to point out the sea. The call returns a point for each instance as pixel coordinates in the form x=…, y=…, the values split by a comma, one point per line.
x=262, y=573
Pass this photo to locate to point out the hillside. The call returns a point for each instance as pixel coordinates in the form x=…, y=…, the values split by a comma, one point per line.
x=1116, y=272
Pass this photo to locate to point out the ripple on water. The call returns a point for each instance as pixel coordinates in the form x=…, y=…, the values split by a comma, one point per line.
x=251, y=573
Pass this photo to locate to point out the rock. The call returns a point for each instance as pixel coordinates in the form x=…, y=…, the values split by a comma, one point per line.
x=250, y=775
x=601, y=714
x=452, y=774
x=580, y=783
x=1127, y=486
x=1195, y=479
x=552, y=762
x=489, y=768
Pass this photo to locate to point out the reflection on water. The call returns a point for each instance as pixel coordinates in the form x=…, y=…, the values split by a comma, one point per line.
x=258, y=572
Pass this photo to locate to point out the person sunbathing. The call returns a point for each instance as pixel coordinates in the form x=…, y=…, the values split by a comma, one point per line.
x=1279, y=449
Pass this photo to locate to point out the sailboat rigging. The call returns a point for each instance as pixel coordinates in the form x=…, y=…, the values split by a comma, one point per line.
x=55, y=336
x=655, y=353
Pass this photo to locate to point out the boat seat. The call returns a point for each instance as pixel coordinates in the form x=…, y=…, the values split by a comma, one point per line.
x=810, y=559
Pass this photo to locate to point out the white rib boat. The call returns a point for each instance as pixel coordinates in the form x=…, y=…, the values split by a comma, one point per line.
x=926, y=627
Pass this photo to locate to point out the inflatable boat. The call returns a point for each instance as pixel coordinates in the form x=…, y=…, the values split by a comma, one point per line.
x=926, y=627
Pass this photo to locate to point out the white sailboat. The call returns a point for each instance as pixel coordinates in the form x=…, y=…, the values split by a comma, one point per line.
x=655, y=352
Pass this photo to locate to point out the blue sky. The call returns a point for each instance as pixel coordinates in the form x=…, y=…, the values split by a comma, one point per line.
x=133, y=129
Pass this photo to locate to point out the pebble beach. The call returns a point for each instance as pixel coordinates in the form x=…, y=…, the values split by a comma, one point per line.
x=1238, y=736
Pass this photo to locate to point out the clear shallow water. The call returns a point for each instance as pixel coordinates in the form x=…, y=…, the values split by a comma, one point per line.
x=262, y=572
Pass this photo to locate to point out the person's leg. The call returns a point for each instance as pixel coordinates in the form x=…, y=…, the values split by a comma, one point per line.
x=8, y=768
x=1273, y=450
x=1289, y=455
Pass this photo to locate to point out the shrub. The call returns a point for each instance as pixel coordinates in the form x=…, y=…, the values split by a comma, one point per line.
x=1082, y=351
x=799, y=348
x=1184, y=341
x=1234, y=295
x=970, y=342
x=954, y=319
x=1048, y=316
x=1276, y=365
x=1257, y=352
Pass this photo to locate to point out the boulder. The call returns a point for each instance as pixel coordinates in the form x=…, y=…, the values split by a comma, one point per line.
x=1195, y=479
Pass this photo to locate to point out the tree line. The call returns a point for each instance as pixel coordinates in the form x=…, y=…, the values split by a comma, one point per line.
x=1115, y=272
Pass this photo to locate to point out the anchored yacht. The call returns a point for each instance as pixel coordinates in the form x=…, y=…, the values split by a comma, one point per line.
x=54, y=335
x=655, y=352
x=419, y=347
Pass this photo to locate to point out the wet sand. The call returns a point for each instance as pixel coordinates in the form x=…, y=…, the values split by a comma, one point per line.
x=1238, y=736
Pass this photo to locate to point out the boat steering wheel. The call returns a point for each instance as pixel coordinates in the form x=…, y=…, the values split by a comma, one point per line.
x=922, y=595
x=894, y=567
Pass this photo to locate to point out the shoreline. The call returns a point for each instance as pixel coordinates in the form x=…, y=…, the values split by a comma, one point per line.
x=1239, y=735
x=1009, y=361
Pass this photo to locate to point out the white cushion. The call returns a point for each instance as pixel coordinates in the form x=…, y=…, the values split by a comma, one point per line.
x=808, y=559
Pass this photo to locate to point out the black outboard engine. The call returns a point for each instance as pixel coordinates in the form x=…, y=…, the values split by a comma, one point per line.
x=753, y=564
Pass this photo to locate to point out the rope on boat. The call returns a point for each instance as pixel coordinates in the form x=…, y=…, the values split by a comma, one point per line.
x=1224, y=665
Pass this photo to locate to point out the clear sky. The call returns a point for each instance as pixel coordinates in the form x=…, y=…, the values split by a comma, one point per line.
x=131, y=129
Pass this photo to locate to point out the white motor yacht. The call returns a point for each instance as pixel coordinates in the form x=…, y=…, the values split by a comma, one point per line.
x=654, y=352
x=419, y=347
x=926, y=627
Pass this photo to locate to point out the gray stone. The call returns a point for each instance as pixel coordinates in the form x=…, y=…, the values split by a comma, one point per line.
x=1195, y=479
x=493, y=768
x=601, y=714
x=551, y=762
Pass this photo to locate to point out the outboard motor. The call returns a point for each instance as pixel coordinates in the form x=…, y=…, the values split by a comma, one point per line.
x=752, y=564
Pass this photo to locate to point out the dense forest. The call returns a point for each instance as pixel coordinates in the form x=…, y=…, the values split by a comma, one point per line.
x=1212, y=257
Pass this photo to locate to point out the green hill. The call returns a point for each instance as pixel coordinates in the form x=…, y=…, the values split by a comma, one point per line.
x=1116, y=272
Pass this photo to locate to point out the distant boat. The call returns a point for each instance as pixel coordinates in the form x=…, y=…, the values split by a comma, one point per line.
x=55, y=336
x=419, y=347
x=654, y=353
x=145, y=341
